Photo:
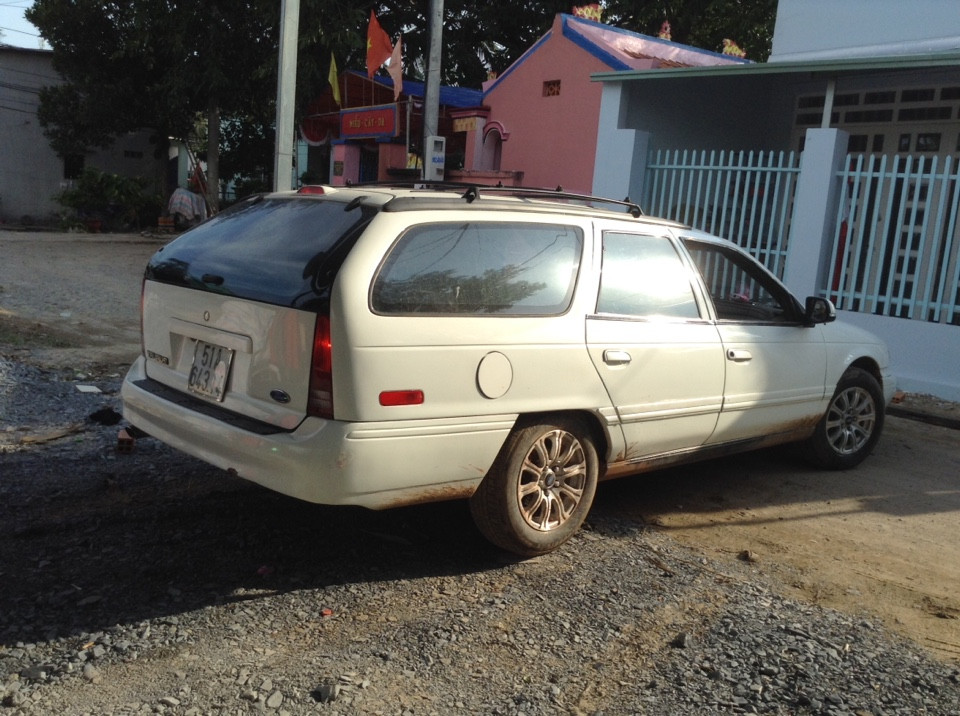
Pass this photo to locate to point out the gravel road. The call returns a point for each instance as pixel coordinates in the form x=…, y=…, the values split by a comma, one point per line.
x=149, y=583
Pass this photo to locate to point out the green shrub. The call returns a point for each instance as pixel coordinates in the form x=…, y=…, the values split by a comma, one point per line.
x=111, y=201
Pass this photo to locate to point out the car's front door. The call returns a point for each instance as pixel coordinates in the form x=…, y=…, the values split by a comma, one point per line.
x=660, y=359
x=775, y=364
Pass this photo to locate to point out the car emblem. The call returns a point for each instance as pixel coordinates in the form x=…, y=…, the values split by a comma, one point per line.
x=206, y=315
x=281, y=396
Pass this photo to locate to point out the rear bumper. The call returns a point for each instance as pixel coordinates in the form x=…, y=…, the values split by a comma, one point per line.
x=375, y=465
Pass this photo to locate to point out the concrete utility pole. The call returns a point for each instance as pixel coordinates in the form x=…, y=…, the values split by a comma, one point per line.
x=431, y=100
x=286, y=94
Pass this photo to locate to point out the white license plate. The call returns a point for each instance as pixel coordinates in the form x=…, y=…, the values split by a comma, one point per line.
x=210, y=370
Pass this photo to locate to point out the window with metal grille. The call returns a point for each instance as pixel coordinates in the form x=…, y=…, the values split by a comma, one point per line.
x=551, y=88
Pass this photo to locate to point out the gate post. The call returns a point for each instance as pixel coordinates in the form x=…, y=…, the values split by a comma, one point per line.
x=815, y=204
x=621, y=159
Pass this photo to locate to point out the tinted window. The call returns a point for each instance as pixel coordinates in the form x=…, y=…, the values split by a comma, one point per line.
x=741, y=289
x=282, y=251
x=644, y=276
x=480, y=268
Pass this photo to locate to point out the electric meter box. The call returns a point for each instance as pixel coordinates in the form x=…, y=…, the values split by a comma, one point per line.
x=435, y=158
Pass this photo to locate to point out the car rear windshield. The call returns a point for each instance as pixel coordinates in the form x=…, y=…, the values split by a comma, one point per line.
x=284, y=251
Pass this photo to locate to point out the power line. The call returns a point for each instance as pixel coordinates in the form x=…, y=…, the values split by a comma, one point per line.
x=14, y=109
x=33, y=103
x=31, y=89
x=22, y=32
x=52, y=78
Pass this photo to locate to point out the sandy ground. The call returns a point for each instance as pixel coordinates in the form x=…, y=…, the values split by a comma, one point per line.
x=881, y=539
x=73, y=299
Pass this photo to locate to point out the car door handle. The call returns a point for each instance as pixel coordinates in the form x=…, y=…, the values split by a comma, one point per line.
x=611, y=357
x=739, y=356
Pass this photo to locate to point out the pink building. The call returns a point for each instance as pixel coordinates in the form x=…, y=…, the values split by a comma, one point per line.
x=538, y=123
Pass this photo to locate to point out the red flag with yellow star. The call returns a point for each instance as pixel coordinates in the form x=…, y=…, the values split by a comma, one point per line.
x=379, y=48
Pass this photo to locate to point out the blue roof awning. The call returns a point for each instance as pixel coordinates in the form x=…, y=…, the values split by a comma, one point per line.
x=460, y=97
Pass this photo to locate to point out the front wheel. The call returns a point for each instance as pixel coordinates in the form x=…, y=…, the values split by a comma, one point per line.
x=539, y=489
x=850, y=428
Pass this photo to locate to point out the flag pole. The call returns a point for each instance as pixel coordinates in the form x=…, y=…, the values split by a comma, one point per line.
x=431, y=99
x=286, y=94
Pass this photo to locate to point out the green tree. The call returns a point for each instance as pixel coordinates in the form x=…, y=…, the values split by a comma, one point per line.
x=477, y=37
x=158, y=64
x=162, y=64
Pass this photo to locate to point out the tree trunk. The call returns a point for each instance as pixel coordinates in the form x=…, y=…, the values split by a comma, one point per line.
x=213, y=156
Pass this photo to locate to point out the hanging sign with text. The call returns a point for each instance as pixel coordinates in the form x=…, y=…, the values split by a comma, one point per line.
x=365, y=122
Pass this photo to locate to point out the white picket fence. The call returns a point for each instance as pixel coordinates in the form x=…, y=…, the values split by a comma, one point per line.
x=896, y=251
x=746, y=197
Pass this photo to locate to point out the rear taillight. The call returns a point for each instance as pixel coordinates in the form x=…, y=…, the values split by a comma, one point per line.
x=320, y=402
x=143, y=288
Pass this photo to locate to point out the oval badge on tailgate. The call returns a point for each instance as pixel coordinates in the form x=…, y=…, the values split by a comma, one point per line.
x=281, y=396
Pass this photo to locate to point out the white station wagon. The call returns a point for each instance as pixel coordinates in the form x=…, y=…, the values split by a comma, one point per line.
x=388, y=345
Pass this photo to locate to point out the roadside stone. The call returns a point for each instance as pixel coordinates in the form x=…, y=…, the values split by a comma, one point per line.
x=274, y=700
x=37, y=672
x=327, y=692
x=91, y=673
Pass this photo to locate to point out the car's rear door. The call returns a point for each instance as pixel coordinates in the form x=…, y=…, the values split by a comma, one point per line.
x=659, y=357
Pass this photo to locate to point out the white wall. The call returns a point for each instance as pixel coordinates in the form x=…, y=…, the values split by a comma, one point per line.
x=30, y=172
x=923, y=355
x=832, y=29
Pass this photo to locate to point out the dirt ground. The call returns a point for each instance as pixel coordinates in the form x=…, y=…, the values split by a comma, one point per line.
x=72, y=300
x=881, y=539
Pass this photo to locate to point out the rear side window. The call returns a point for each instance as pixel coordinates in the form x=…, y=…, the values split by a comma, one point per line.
x=480, y=268
x=644, y=276
x=280, y=251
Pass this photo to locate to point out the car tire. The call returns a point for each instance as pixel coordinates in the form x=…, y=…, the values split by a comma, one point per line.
x=852, y=424
x=539, y=489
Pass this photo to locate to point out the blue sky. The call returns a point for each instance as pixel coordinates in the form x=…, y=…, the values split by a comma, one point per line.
x=16, y=30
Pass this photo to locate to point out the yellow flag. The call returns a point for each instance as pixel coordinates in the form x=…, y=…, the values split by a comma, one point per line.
x=334, y=79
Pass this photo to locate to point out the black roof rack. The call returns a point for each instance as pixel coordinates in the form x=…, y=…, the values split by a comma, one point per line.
x=471, y=192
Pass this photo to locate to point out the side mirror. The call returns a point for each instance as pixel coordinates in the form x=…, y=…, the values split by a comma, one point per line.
x=819, y=310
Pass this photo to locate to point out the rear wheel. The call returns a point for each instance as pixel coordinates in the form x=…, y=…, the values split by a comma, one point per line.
x=852, y=424
x=540, y=487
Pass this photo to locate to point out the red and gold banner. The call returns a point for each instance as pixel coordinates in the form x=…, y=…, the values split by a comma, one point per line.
x=366, y=122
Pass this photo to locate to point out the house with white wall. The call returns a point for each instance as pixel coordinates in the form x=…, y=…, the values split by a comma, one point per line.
x=835, y=163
